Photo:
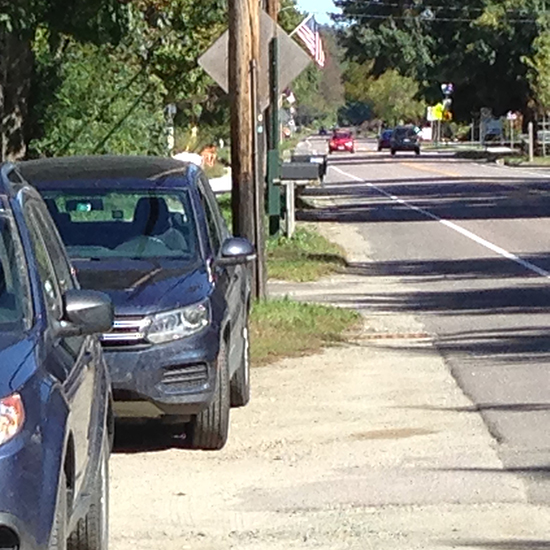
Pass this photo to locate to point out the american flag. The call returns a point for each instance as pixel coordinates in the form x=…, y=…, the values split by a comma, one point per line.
x=308, y=31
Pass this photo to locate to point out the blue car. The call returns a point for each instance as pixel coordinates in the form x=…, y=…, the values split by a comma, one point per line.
x=55, y=412
x=149, y=232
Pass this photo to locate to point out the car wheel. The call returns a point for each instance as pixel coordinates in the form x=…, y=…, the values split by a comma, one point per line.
x=240, y=382
x=92, y=531
x=379, y=149
x=210, y=428
x=393, y=152
x=417, y=151
x=58, y=536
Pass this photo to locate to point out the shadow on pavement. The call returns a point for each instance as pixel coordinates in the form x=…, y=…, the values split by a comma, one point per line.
x=136, y=438
x=446, y=198
x=511, y=544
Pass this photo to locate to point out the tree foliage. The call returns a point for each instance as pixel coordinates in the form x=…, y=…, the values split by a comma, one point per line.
x=479, y=45
x=391, y=96
x=320, y=93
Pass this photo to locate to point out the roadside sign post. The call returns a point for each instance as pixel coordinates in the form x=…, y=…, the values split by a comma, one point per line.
x=531, y=144
x=280, y=61
x=512, y=117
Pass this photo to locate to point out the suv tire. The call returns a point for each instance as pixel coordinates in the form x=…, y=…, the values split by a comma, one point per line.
x=240, y=382
x=92, y=531
x=210, y=428
x=58, y=536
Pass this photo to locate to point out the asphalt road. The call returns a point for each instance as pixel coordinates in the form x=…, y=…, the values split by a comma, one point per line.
x=472, y=243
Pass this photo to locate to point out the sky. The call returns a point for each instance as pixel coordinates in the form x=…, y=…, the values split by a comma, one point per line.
x=319, y=8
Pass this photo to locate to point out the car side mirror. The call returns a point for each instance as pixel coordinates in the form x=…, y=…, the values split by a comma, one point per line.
x=236, y=250
x=86, y=312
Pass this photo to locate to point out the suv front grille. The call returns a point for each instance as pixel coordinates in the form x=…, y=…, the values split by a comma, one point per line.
x=126, y=332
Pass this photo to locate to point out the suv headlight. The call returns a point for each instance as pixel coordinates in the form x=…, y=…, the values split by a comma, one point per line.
x=12, y=416
x=178, y=323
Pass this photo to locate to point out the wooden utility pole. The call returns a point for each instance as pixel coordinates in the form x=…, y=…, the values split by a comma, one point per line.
x=246, y=204
x=273, y=7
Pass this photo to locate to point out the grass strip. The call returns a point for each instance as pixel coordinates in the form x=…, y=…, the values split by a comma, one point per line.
x=307, y=256
x=287, y=328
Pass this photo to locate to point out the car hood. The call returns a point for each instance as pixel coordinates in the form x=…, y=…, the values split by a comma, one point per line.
x=142, y=287
x=16, y=348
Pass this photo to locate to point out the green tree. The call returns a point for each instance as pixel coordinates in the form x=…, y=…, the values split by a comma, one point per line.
x=391, y=96
x=479, y=45
x=104, y=103
x=320, y=92
x=97, y=21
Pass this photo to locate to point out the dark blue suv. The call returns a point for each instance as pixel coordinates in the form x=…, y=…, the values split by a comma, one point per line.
x=149, y=232
x=55, y=427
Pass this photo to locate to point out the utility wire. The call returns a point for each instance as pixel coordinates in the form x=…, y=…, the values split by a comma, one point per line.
x=435, y=18
x=373, y=4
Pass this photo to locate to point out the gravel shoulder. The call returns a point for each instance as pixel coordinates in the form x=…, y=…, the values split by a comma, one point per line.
x=366, y=445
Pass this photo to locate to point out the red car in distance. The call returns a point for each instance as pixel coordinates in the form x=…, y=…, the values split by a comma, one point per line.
x=341, y=141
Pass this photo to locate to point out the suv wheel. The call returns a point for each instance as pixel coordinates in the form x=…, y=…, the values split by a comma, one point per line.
x=240, y=382
x=92, y=531
x=58, y=537
x=210, y=428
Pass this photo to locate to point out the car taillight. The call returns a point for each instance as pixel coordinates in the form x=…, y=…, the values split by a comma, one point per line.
x=12, y=416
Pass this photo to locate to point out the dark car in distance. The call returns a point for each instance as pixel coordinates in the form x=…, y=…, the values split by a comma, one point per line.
x=384, y=140
x=55, y=401
x=405, y=138
x=149, y=232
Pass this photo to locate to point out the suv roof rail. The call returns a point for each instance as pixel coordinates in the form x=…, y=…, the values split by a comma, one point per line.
x=7, y=185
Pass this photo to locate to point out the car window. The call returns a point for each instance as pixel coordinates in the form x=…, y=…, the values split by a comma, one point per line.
x=215, y=208
x=54, y=245
x=15, y=298
x=62, y=272
x=213, y=228
x=132, y=223
x=50, y=286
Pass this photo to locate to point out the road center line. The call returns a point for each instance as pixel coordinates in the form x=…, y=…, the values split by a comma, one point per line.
x=430, y=169
x=451, y=225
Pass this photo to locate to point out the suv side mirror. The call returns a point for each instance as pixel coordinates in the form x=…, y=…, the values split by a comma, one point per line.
x=86, y=312
x=236, y=250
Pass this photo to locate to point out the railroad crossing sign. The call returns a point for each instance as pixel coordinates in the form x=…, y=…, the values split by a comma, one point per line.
x=292, y=59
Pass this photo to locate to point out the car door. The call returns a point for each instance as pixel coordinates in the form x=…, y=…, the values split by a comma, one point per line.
x=73, y=360
x=233, y=276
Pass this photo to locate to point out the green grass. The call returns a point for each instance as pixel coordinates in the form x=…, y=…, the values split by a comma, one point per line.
x=307, y=256
x=524, y=161
x=285, y=328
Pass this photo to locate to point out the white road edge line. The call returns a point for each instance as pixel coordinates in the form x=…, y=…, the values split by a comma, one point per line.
x=472, y=236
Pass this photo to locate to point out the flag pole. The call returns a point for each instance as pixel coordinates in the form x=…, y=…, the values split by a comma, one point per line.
x=303, y=22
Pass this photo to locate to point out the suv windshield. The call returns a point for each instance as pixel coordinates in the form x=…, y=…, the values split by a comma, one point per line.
x=135, y=223
x=14, y=292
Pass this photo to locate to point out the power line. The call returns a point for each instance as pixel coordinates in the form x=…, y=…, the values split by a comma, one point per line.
x=375, y=4
x=435, y=18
